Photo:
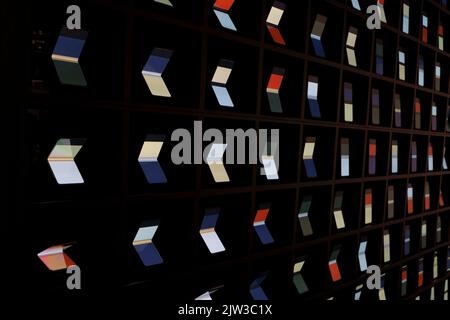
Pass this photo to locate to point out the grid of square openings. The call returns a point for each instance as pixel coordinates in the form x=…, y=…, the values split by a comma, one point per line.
x=363, y=120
